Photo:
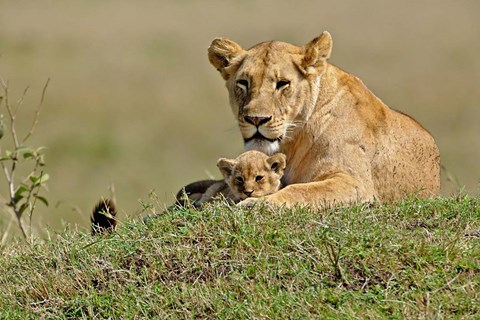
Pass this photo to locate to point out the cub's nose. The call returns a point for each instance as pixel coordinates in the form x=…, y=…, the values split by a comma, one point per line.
x=248, y=193
x=257, y=121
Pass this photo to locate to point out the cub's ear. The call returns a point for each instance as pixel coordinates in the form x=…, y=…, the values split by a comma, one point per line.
x=226, y=166
x=221, y=53
x=316, y=54
x=277, y=162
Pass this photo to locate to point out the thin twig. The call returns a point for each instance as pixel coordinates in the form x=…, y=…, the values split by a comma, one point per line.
x=11, y=187
x=37, y=112
x=11, y=191
x=11, y=114
x=22, y=98
x=32, y=206
x=20, y=223
x=10, y=175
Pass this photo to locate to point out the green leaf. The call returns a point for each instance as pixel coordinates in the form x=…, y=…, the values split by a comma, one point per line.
x=23, y=149
x=22, y=209
x=40, y=149
x=44, y=178
x=17, y=198
x=41, y=161
x=18, y=195
x=42, y=199
x=2, y=129
x=40, y=180
x=26, y=151
x=20, y=190
x=27, y=155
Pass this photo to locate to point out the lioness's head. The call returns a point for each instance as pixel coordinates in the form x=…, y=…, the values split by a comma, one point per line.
x=273, y=86
x=253, y=173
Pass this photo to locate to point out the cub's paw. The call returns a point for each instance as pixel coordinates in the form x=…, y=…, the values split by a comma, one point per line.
x=271, y=202
x=249, y=203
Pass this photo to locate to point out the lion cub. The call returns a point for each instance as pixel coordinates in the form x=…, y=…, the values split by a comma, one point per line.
x=251, y=174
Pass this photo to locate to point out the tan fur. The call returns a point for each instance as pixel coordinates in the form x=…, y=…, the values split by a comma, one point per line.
x=252, y=174
x=342, y=143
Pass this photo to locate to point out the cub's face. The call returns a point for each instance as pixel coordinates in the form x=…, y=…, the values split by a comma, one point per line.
x=253, y=174
x=273, y=87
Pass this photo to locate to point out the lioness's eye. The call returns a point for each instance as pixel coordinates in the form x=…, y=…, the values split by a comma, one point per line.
x=239, y=180
x=258, y=178
x=242, y=84
x=282, y=84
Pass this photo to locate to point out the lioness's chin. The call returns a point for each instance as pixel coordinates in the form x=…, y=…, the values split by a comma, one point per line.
x=262, y=145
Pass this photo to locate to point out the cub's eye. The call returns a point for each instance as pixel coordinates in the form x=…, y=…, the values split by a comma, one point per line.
x=282, y=84
x=258, y=178
x=242, y=84
x=239, y=180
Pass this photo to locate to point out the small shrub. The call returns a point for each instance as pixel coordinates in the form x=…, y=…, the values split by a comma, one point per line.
x=15, y=153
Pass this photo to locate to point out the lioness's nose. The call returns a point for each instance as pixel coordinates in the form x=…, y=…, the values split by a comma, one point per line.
x=257, y=121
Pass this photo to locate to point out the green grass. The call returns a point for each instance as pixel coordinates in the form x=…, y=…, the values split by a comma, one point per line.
x=416, y=259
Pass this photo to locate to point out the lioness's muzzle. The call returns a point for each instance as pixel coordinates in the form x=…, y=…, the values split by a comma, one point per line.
x=259, y=136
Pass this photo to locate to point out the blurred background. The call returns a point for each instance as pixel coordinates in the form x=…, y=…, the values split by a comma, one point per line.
x=133, y=100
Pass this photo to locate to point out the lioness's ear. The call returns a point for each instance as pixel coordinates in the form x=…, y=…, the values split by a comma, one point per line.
x=221, y=53
x=226, y=166
x=277, y=162
x=316, y=53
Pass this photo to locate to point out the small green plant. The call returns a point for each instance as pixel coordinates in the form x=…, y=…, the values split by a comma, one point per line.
x=15, y=153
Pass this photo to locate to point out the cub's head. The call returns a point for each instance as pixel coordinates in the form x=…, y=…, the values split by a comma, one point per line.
x=253, y=173
x=273, y=86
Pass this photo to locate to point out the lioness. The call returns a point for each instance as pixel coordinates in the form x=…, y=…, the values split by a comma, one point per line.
x=251, y=174
x=342, y=143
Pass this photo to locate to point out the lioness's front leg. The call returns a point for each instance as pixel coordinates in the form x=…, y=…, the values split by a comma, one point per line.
x=337, y=188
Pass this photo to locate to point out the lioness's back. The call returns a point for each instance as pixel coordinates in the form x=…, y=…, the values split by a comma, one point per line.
x=407, y=160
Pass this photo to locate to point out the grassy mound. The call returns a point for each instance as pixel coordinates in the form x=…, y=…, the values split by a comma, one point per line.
x=419, y=258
